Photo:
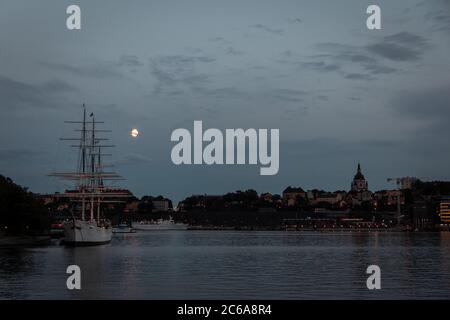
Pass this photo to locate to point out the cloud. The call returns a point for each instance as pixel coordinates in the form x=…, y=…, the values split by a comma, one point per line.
x=428, y=109
x=367, y=59
x=439, y=21
x=17, y=94
x=100, y=70
x=364, y=61
x=406, y=38
x=337, y=148
x=18, y=155
x=320, y=66
x=178, y=70
x=403, y=46
x=226, y=46
x=280, y=97
x=359, y=76
x=129, y=61
x=294, y=20
x=338, y=57
x=286, y=95
x=231, y=51
x=353, y=55
x=394, y=52
x=312, y=65
x=335, y=47
x=220, y=40
x=424, y=104
x=56, y=85
x=375, y=68
x=225, y=92
x=267, y=29
x=133, y=159
x=323, y=97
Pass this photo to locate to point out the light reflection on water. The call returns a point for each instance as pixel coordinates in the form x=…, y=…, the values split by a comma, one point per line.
x=234, y=265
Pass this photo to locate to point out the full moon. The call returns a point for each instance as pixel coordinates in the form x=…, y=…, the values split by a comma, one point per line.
x=134, y=133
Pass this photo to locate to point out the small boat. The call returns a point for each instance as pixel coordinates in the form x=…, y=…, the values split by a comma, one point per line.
x=159, y=224
x=57, y=230
x=123, y=228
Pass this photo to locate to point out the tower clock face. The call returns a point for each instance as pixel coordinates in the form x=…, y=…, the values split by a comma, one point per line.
x=224, y=155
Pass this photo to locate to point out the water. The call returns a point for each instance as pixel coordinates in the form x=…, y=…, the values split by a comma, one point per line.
x=234, y=265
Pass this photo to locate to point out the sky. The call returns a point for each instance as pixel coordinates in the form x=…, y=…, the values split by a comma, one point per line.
x=339, y=93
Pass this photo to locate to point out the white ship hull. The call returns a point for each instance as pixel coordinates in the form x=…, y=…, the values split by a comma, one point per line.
x=165, y=225
x=86, y=233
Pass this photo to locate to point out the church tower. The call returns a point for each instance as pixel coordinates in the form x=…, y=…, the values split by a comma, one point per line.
x=359, y=183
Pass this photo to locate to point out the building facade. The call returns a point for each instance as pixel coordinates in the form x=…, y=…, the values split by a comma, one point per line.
x=359, y=183
x=444, y=210
x=291, y=196
x=161, y=205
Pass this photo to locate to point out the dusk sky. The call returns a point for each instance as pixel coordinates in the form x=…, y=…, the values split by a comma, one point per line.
x=338, y=92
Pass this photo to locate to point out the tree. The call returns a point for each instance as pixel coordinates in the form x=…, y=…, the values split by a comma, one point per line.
x=20, y=212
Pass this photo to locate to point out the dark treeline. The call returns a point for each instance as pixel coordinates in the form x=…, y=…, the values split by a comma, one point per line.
x=236, y=219
x=135, y=209
x=20, y=212
x=247, y=200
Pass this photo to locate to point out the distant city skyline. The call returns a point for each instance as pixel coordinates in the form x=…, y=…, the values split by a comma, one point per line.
x=359, y=186
x=339, y=93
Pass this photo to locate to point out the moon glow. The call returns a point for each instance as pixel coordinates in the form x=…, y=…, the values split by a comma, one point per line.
x=134, y=133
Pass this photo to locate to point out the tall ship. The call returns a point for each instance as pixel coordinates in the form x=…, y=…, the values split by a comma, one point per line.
x=88, y=226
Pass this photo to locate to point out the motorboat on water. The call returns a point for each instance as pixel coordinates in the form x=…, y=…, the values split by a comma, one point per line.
x=123, y=228
x=160, y=224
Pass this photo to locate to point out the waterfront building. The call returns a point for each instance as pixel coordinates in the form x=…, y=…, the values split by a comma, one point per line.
x=266, y=197
x=162, y=205
x=444, y=210
x=359, y=192
x=332, y=198
x=292, y=195
x=393, y=196
x=421, y=215
x=359, y=183
x=132, y=206
x=407, y=183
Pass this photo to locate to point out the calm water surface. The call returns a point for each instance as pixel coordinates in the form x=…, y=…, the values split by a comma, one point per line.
x=234, y=265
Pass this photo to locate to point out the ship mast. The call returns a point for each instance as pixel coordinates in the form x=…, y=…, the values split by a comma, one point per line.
x=90, y=188
x=93, y=171
x=100, y=181
x=83, y=162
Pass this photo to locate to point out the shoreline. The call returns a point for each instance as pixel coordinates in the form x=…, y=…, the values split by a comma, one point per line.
x=7, y=241
x=20, y=241
x=321, y=230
